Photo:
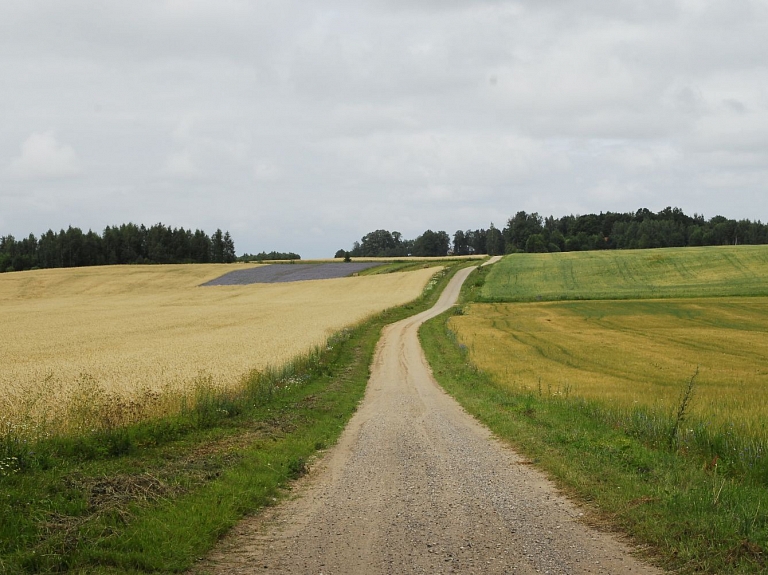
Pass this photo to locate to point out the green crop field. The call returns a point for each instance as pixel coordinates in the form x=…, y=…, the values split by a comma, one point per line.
x=630, y=274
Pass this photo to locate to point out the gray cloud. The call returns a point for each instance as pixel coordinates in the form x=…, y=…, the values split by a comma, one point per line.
x=303, y=125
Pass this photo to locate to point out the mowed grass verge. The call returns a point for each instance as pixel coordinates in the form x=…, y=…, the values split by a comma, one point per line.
x=651, y=411
x=153, y=496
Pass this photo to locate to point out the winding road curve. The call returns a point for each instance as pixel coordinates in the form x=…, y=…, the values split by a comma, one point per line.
x=416, y=485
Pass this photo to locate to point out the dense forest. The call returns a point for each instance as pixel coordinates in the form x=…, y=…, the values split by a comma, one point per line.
x=670, y=227
x=126, y=244
x=524, y=232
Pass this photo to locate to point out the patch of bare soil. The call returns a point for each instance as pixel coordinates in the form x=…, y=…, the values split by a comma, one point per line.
x=415, y=485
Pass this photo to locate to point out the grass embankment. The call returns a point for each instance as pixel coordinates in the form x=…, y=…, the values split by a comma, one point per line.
x=592, y=391
x=154, y=496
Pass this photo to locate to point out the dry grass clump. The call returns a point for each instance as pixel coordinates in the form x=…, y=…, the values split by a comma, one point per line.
x=111, y=345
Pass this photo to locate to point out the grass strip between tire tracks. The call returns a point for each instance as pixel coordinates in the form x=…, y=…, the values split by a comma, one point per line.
x=155, y=497
x=682, y=515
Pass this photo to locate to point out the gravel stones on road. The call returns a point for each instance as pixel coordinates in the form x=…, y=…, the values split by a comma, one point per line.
x=277, y=273
x=416, y=485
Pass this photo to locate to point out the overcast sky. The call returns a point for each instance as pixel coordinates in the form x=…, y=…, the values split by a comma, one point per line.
x=302, y=125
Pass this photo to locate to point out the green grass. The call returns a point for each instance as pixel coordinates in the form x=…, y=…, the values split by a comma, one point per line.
x=687, y=516
x=629, y=274
x=152, y=498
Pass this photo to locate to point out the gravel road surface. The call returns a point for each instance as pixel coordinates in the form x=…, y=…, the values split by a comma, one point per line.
x=415, y=485
x=276, y=273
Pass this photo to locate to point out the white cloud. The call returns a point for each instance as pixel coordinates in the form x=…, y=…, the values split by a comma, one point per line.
x=180, y=165
x=43, y=157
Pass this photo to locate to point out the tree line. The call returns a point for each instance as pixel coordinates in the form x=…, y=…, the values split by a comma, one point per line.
x=125, y=244
x=269, y=256
x=642, y=229
x=525, y=232
x=383, y=243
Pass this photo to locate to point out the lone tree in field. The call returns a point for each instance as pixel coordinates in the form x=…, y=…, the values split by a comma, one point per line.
x=344, y=254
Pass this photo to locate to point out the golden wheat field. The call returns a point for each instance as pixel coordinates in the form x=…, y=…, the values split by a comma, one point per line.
x=129, y=331
x=629, y=353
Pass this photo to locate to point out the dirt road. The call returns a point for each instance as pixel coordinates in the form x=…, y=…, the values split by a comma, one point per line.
x=415, y=485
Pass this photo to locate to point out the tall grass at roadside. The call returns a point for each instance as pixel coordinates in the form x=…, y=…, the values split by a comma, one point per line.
x=107, y=424
x=738, y=452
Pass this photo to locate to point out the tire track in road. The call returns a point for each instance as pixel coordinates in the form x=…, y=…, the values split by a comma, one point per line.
x=416, y=485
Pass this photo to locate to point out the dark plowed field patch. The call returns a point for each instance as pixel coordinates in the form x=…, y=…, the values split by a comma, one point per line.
x=278, y=273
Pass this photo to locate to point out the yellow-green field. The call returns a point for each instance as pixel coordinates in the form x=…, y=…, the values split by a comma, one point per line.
x=654, y=317
x=150, y=332
x=630, y=274
x=630, y=353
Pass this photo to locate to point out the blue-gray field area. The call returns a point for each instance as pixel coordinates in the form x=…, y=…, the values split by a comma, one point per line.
x=277, y=273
